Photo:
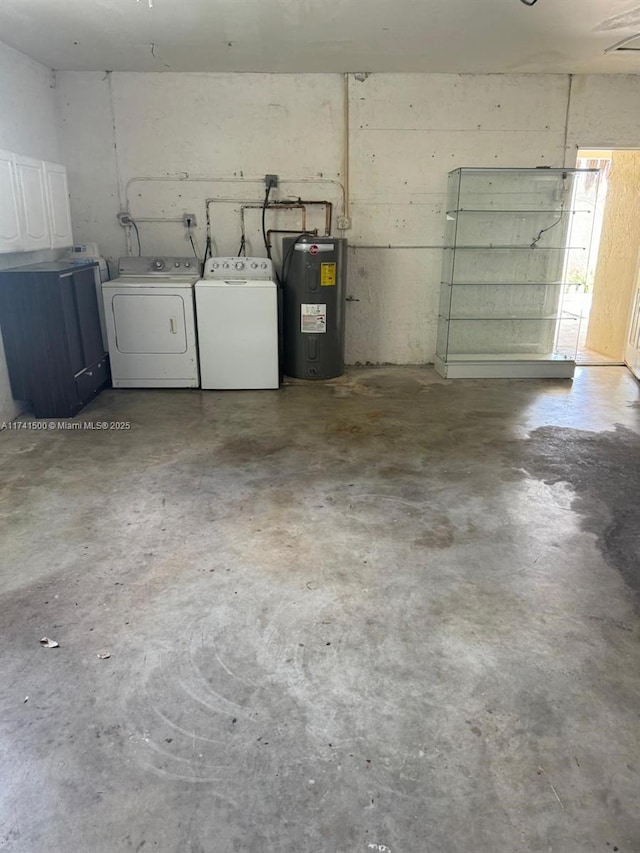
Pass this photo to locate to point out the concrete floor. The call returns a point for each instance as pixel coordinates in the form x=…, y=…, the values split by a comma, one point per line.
x=388, y=613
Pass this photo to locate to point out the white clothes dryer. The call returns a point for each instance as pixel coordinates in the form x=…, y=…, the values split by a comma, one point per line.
x=150, y=318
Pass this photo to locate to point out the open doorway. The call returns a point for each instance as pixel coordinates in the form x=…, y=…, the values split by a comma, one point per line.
x=601, y=289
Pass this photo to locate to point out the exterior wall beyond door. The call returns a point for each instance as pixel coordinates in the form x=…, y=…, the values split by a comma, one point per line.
x=618, y=257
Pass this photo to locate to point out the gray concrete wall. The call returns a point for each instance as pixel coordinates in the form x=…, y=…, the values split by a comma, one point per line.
x=406, y=131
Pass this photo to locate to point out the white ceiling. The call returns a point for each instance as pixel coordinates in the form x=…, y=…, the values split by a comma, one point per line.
x=324, y=35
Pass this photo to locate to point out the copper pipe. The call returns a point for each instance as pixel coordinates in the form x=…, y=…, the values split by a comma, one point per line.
x=300, y=204
x=328, y=206
x=271, y=231
x=283, y=205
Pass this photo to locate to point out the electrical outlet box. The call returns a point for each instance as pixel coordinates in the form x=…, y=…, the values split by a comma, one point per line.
x=124, y=219
x=189, y=220
x=270, y=181
x=344, y=223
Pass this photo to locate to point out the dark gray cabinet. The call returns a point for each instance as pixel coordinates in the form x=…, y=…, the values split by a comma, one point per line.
x=52, y=339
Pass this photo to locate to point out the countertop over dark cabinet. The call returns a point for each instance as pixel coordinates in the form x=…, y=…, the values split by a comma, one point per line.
x=52, y=338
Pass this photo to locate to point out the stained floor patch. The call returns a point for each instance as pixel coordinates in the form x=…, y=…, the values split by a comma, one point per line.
x=603, y=469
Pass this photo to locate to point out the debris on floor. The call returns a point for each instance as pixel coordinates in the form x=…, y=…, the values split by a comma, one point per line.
x=104, y=655
x=48, y=643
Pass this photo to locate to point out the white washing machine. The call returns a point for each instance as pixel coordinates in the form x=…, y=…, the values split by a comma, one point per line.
x=237, y=311
x=150, y=318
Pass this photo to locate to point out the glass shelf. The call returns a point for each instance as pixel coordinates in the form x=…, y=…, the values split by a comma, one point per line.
x=510, y=212
x=488, y=265
x=519, y=190
x=511, y=317
x=506, y=283
x=529, y=248
x=508, y=301
x=508, y=356
x=533, y=173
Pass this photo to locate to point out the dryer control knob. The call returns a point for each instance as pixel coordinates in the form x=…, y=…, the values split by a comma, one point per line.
x=187, y=263
x=263, y=265
x=176, y=264
x=254, y=266
x=239, y=265
x=214, y=266
x=225, y=266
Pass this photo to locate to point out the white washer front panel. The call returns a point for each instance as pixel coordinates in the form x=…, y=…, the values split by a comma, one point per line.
x=152, y=337
x=149, y=324
x=238, y=334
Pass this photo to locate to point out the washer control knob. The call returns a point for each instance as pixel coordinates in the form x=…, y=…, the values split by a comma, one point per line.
x=158, y=264
x=263, y=265
x=176, y=264
x=214, y=266
x=254, y=266
x=225, y=266
x=239, y=265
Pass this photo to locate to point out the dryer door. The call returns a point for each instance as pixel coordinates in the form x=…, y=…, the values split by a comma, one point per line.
x=149, y=324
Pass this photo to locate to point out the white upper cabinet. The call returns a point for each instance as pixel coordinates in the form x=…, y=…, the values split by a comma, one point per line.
x=11, y=230
x=58, y=202
x=34, y=204
x=30, y=174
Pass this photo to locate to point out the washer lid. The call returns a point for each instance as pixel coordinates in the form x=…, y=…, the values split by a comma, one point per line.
x=235, y=282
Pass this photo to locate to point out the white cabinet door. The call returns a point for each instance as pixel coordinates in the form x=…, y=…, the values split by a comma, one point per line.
x=30, y=175
x=11, y=239
x=58, y=205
